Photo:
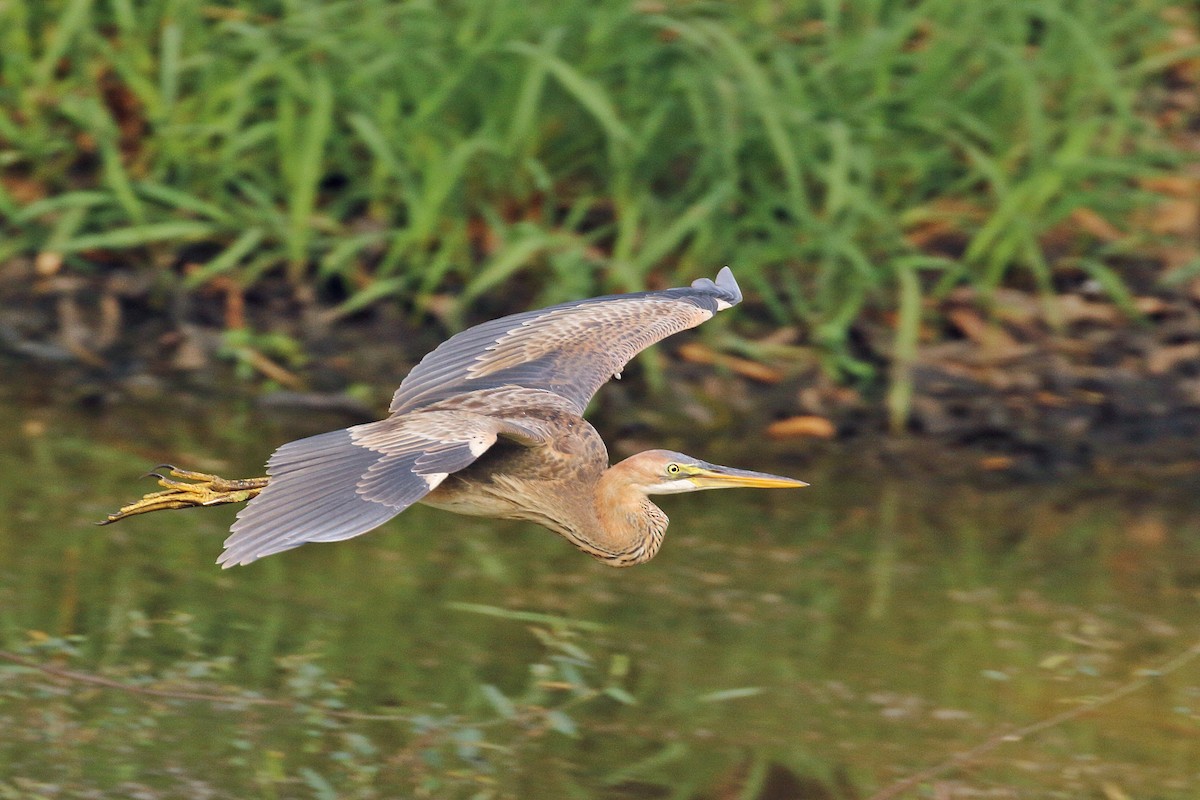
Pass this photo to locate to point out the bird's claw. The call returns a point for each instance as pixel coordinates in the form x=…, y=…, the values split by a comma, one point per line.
x=194, y=489
x=155, y=473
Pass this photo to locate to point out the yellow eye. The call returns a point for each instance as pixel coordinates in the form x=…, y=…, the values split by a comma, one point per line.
x=672, y=469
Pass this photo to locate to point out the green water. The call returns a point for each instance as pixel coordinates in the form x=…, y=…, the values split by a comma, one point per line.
x=814, y=644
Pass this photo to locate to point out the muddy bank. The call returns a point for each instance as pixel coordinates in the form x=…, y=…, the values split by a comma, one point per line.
x=1016, y=384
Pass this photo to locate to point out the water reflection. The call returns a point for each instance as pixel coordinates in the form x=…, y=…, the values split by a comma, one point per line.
x=819, y=644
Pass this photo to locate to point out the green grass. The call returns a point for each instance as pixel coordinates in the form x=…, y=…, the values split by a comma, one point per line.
x=397, y=150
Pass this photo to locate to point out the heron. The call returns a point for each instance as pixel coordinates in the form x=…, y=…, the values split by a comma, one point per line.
x=490, y=423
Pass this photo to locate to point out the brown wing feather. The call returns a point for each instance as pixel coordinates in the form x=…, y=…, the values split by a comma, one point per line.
x=570, y=349
x=344, y=483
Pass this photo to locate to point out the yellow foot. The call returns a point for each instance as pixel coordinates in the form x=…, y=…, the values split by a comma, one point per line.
x=206, y=490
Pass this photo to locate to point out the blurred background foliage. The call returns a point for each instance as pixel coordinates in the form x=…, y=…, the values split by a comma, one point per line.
x=845, y=158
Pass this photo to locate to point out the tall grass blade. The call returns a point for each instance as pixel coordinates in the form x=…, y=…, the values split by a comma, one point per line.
x=692, y=218
x=521, y=127
x=552, y=620
x=507, y=261
x=139, y=235
x=307, y=167
x=587, y=92
x=229, y=258
x=69, y=24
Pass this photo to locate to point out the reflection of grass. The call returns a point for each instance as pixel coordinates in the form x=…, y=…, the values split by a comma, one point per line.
x=841, y=643
x=309, y=734
x=314, y=740
x=404, y=149
x=554, y=621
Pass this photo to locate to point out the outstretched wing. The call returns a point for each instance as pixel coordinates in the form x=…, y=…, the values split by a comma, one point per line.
x=344, y=483
x=571, y=349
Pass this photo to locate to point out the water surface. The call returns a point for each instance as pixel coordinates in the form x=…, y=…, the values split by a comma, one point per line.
x=821, y=643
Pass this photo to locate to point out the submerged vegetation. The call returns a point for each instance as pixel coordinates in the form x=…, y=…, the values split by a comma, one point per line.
x=310, y=744
x=846, y=158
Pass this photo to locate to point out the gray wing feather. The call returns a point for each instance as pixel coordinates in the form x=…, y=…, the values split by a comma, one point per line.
x=570, y=349
x=344, y=483
x=311, y=497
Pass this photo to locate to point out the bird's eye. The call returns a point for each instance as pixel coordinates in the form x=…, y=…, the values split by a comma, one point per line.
x=672, y=469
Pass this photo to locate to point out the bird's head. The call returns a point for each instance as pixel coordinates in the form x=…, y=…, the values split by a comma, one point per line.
x=668, y=472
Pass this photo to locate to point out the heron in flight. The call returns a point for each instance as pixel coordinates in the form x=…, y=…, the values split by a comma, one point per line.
x=488, y=424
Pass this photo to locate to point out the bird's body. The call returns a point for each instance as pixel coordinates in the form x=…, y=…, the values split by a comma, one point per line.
x=488, y=424
x=608, y=519
x=512, y=481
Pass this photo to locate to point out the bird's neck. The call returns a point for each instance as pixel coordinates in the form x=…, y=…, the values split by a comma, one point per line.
x=627, y=528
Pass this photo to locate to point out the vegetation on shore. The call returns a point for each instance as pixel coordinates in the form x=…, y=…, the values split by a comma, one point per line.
x=849, y=160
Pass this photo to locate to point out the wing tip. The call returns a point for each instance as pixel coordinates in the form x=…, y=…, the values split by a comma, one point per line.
x=233, y=556
x=725, y=287
x=239, y=554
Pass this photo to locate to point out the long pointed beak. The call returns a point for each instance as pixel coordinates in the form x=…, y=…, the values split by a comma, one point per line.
x=714, y=476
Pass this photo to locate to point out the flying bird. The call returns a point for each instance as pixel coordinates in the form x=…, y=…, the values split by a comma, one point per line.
x=488, y=424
